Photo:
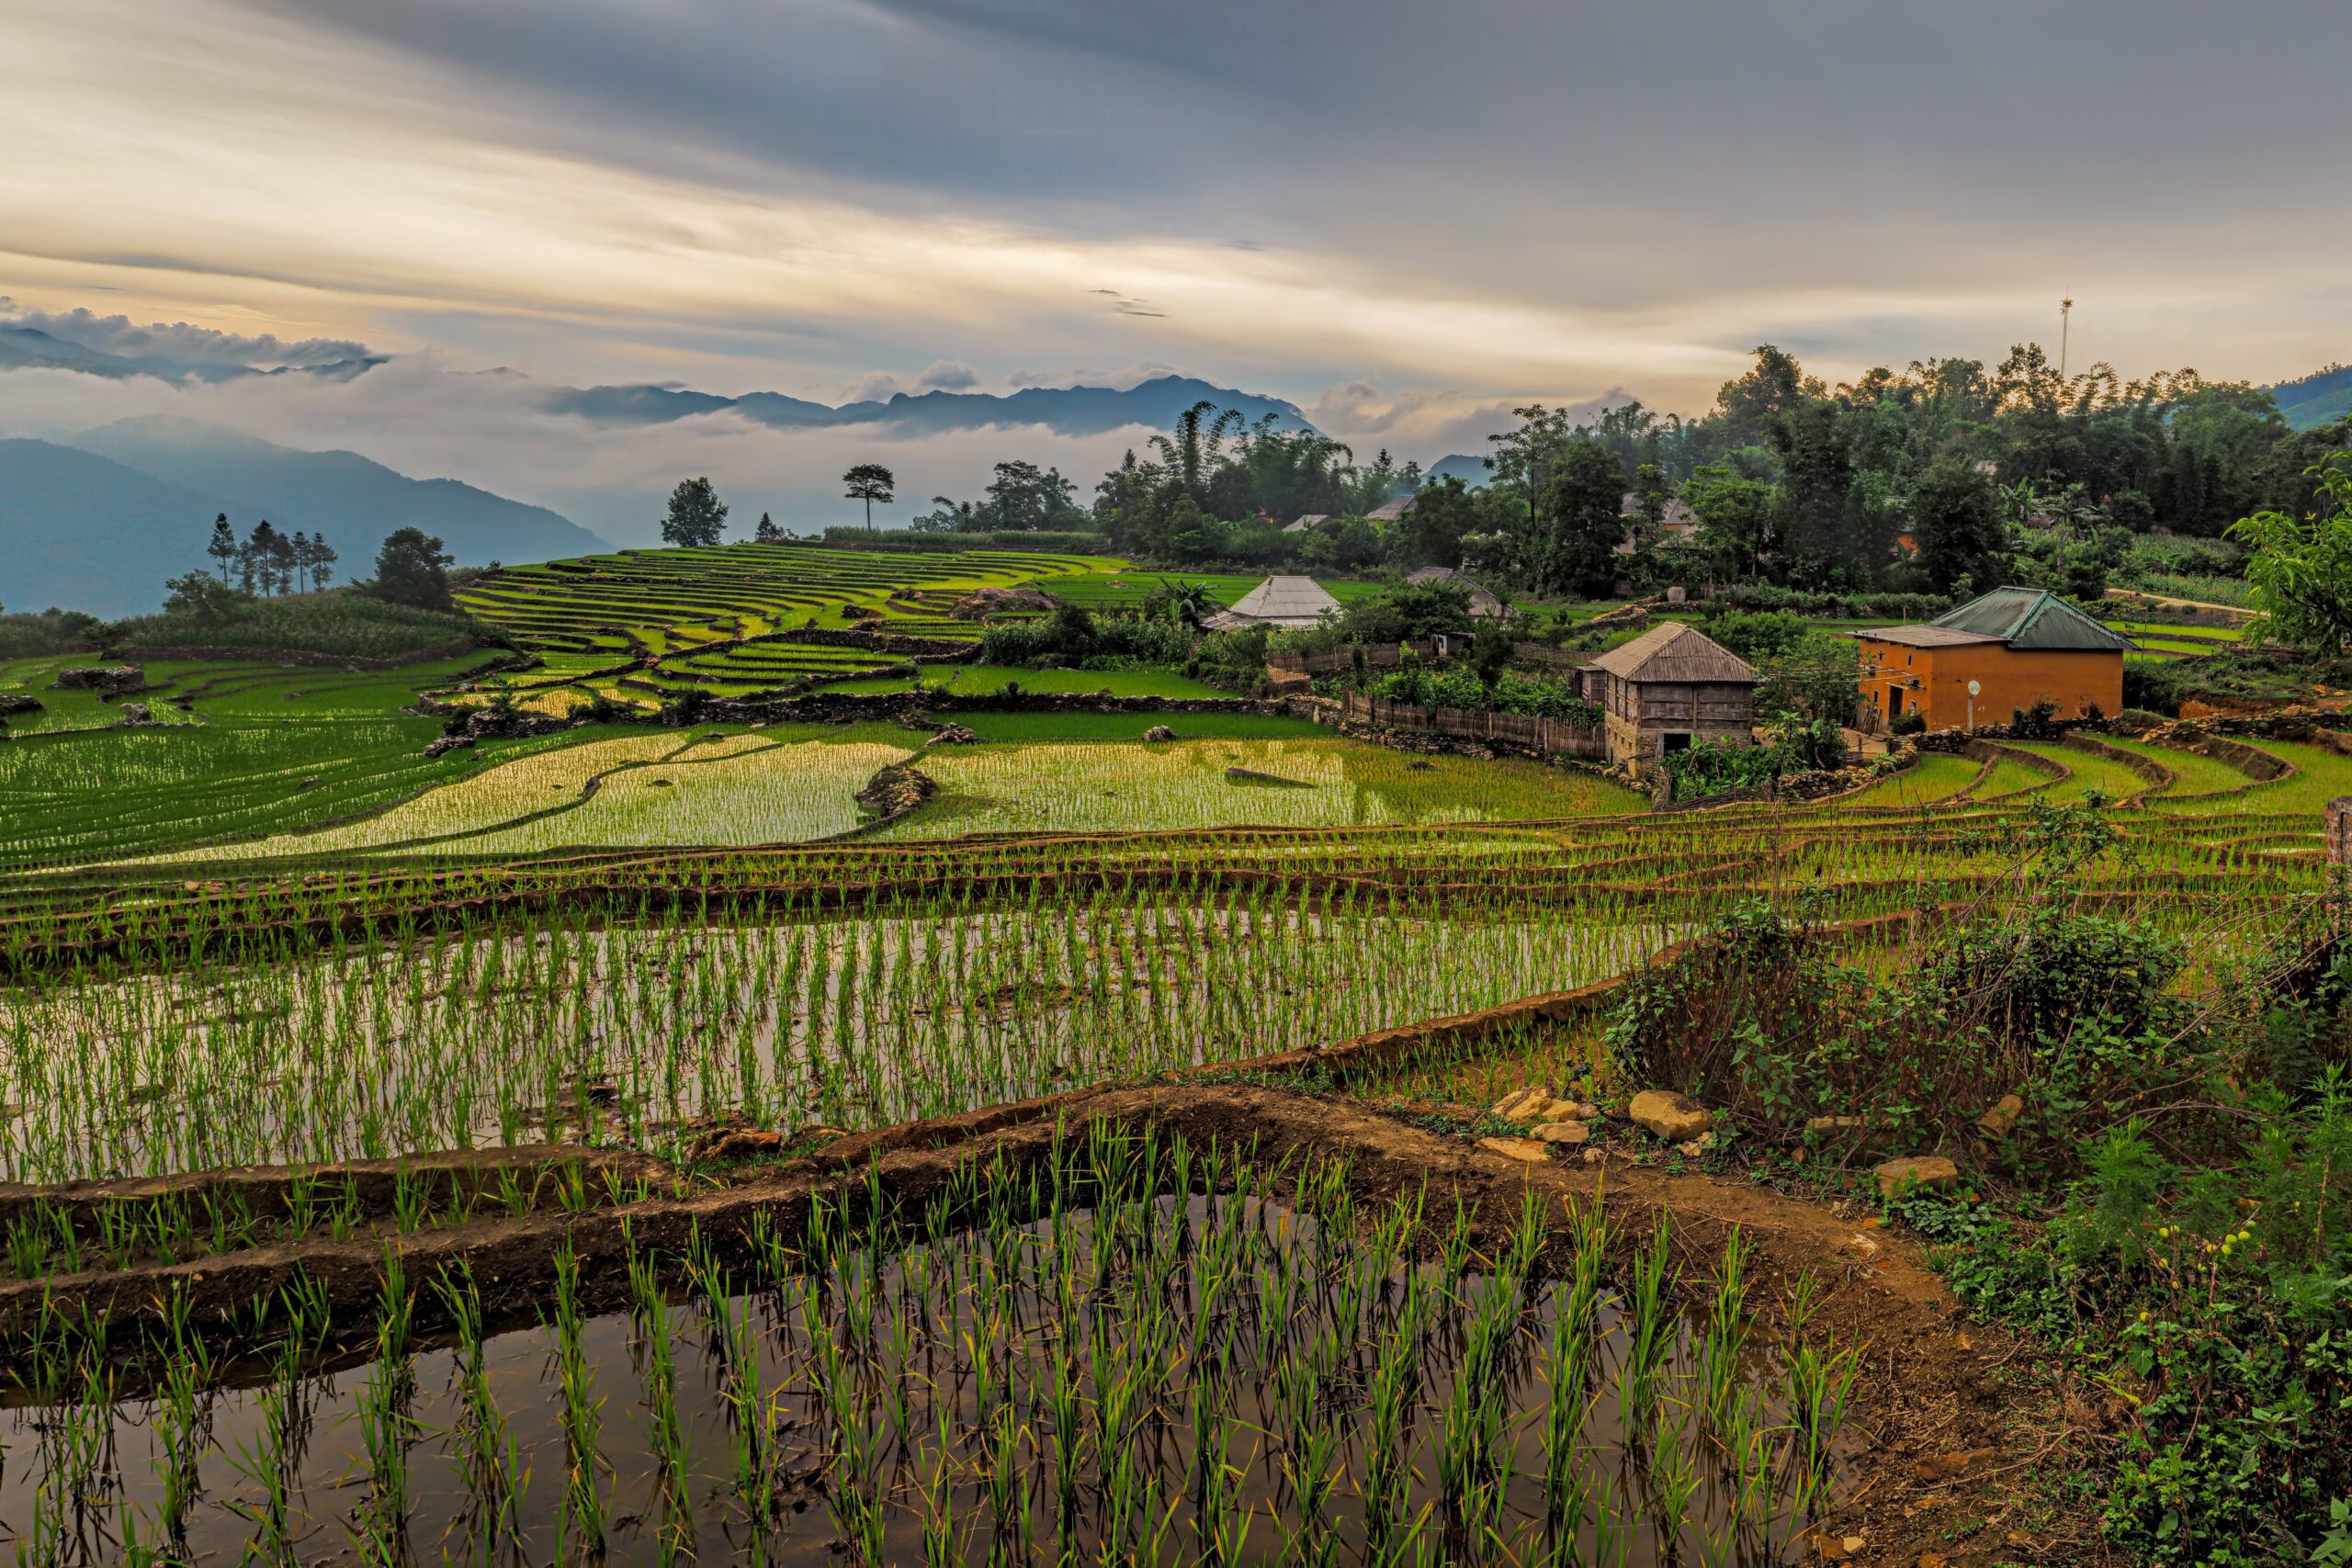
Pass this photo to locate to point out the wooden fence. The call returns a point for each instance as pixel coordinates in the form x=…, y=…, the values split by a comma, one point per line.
x=1376, y=655
x=1550, y=737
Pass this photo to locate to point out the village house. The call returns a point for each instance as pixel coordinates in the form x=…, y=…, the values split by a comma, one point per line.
x=2016, y=646
x=1306, y=524
x=1390, y=512
x=1484, y=605
x=1670, y=688
x=1286, y=603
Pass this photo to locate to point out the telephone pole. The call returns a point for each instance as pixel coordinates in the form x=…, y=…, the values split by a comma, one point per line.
x=2065, y=309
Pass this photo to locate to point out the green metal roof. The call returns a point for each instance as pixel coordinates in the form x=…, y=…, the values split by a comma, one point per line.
x=2033, y=618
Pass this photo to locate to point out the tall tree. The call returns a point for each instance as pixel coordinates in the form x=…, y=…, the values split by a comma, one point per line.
x=697, y=516
x=1956, y=520
x=224, y=545
x=870, y=482
x=298, y=555
x=318, y=559
x=414, y=569
x=257, y=559
x=1584, y=506
x=767, y=533
x=2301, y=568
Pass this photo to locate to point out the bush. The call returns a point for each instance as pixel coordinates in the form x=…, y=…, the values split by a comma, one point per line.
x=51, y=631
x=343, y=624
x=1910, y=721
x=1071, y=635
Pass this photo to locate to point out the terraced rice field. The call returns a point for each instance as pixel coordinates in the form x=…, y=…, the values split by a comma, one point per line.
x=738, y=618
x=1325, y=782
x=1121, y=589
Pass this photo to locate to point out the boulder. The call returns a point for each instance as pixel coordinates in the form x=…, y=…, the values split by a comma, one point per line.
x=1675, y=1118
x=2002, y=1120
x=1929, y=1171
x=112, y=679
x=1564, y=1133
x=951, y=735
x=1528, y=1149
x=1508, y=1106
x=1159, y=732
x=137, y=713
x=14, y=702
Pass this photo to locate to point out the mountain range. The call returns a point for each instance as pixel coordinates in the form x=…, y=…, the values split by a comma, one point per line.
x=30, y=348
x=100, y=523
x=2316, y=399
x=1068, y=410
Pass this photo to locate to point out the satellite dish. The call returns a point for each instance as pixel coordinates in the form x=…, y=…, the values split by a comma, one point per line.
x=1975, y=690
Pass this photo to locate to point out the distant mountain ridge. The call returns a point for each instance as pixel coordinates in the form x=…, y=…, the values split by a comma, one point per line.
x=30, y=348
x=2319, y=398
x=99, y=525
x=1069, y=411
x=1471, y=471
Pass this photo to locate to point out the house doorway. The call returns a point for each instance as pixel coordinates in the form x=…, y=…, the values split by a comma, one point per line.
x=1671, y=741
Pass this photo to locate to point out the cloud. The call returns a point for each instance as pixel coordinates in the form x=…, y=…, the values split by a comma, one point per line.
x=1428, y=424
x=424, y=419
x=1118, y=381
x=180, y=342
x=940, y=375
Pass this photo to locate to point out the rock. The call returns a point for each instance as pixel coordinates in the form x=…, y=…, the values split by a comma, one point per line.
x=1676, y=1118
x=1567, y=1111
x=1932, y=1560
x=448, y=743
x=1836, y=1126
x=1509, y=1106
x=137, y=713
x=1933, y=1172
x=1697, y=1145
x=1528, y=1149
x=1593, y=1157
x=1943, y=1467
x=951, y=735
x=1159, y=732
x=2002, y=1120
x=112, y=679
x=1561, y=1132
x=13, y=703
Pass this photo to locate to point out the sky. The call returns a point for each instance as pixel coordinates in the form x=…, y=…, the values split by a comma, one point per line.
x=1406, y=218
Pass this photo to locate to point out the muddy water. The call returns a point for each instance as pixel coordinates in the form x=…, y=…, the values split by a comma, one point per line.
x=951, y=1478
x=853, y=1023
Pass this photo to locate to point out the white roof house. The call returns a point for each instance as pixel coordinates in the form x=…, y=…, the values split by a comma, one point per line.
x=1307, y=523
x=1390, y=512
x=1293, y=604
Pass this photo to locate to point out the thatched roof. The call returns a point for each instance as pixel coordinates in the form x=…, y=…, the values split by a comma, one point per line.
x=1286, y=601
x=1482, y=603
x=1306, y=523
x=1391, y=511
x=1675, y=651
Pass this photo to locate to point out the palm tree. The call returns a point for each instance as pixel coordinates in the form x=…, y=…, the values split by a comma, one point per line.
x=1193, y=454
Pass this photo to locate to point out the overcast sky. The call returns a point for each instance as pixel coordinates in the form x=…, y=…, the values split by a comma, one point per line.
x=1401, y=213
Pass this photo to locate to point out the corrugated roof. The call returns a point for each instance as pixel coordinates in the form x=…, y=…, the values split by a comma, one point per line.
x=1299, y=599
x=2033, y=618
x=1675, y=651
x=1390, y=512
x=1923, y=637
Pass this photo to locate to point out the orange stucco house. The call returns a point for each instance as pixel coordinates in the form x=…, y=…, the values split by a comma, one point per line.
x=2020, y=646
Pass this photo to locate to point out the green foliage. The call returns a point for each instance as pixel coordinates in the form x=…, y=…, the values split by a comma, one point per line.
x=2300, y=572
x=203, y=598
x=696, y=515
x=1956, y=520
x=1431, y=687
x=1071, y=635
x=412, y=569
x=51, y=631
x=346, y=623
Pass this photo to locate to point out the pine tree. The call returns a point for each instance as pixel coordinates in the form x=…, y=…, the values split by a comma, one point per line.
x=223, y=547
x=767, y=532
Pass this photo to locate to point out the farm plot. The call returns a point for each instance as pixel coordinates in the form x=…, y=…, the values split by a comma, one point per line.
x=988, y=679
x=636, y=1031
x=1307, y=783
x=1123, y=590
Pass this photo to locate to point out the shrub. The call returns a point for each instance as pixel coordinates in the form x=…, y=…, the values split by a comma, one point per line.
x=343, y=624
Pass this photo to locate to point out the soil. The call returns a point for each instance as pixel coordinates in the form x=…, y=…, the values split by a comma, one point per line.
x=1939, y=1431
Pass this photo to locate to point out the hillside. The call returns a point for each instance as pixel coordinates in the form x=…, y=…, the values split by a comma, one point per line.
x=88, y=533
x=99, y=525
x=354, y=499
x=2316, y=399
x=1471, y=471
